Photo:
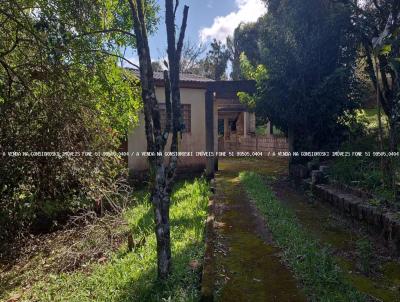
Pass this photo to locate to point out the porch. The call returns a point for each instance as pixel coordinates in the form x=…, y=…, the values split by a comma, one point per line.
x=231, y=126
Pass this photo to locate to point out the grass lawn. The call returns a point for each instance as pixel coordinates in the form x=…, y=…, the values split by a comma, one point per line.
x=311, y=262
x=131, y=276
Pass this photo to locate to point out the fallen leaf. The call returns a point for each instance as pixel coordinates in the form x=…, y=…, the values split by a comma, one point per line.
x=102, y=260
x=14, y=298
x=219, y=225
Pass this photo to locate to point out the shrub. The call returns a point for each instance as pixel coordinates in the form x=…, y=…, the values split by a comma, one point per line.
x=61, y=90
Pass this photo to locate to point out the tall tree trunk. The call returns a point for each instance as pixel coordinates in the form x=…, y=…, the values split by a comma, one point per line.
x=291, y=143
x=161, y=174
x=378, y=105
x=380, y=130
x=161, y=203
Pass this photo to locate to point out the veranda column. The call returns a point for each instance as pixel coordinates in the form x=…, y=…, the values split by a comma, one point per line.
x=226, y=128
x=209, y=107
x=245, y=124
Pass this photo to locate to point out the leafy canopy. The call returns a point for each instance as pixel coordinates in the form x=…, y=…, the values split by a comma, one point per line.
x=309, y=51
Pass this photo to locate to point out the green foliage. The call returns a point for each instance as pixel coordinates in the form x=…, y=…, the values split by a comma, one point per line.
x=61, y=90
x=258, y=74
x=378, y=22
x=369, y=119
x=262, y=130
x=216, y=61
x=364, y=172
x=121, y=101
x=245, y=40
x=312, y=264
x=132, y=276
x=309, y=51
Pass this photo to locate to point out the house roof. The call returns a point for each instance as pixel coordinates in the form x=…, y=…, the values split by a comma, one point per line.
x=187, y=80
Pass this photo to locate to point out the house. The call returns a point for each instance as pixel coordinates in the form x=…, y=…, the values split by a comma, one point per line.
x=206, y=104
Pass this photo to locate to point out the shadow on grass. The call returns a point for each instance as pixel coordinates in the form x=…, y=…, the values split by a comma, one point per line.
x=182, y=285
x=132, y=276
x=144, y=226
x=184, y=281
x=7, y=284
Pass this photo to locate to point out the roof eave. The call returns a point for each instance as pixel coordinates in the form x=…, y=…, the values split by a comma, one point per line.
x=186, y=84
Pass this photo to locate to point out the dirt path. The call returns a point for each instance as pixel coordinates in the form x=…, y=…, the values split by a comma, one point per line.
x=248, y=265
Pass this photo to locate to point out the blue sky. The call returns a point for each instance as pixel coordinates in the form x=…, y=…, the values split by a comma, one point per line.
x=201, y=14
x=207, y=19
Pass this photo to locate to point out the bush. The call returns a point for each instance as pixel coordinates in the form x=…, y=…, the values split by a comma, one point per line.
x=61, y=96
x=363, y=172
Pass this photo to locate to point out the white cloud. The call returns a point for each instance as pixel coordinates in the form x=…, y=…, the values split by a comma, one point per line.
x=223, y=26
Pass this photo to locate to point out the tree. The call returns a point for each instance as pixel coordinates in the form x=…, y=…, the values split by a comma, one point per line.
x=309, y=52
x=245, y=40
x=161, y=173
x=191, y=61
x=157, y=66
x=191, y=54
x=258, y=73
x=378, y=25
x=216, y=61
x=377, y=28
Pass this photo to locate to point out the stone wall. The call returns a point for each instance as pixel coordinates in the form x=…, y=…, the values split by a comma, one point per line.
x=352, y=202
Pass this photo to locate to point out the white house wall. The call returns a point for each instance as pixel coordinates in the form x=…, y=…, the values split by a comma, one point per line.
x=195, y=141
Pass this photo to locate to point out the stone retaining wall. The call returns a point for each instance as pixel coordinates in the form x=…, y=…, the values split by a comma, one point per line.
x=355, y=204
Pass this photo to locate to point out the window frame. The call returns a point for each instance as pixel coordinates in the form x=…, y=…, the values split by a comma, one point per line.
x=186, y=110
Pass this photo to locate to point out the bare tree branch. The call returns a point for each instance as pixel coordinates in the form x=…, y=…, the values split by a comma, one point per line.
x=15, y=44
x=114, y=55
x=182, y=32
x=176, y=7
x=146, y=72
x=11, y=70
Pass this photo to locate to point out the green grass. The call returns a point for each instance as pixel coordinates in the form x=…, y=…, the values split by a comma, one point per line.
x=312, y=263
x=131, y=276
x=364, y=173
